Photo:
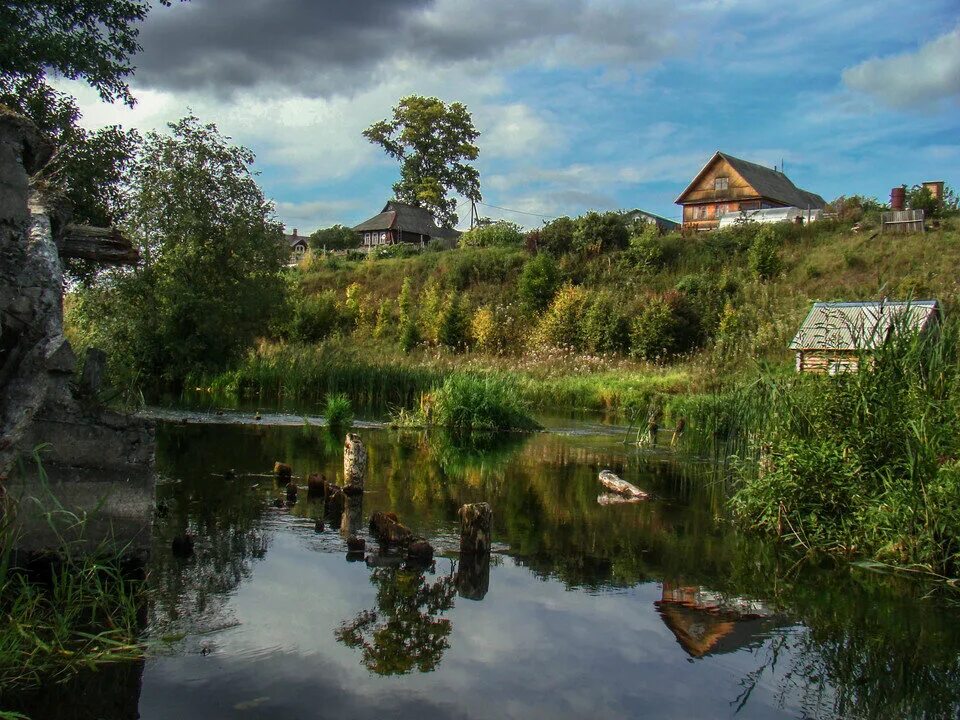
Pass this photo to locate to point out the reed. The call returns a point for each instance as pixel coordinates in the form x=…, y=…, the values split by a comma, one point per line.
x=338, y=411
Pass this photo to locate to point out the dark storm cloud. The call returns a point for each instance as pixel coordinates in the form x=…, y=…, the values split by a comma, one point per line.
x=340, y=46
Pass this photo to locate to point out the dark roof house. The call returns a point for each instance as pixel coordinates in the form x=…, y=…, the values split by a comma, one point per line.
x=401, y=222
x=298, y=244
x=729, y=184
x=835, y=335
x=664, y=224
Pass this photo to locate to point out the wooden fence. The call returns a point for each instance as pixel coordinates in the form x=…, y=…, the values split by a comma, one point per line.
x=902, y=221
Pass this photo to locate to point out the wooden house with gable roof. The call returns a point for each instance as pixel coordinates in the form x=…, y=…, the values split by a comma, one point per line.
x=728, y=184
x=400, y=222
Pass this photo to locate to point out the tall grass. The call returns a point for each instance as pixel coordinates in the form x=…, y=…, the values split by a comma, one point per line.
x=338, y=412
x=69, y=611
x=864, y=463
x=474, y=403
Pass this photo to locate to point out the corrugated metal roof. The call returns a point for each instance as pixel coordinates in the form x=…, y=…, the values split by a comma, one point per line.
x=859, y=325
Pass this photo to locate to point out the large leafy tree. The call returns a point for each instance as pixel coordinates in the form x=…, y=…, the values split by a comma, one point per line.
x=335, y=237
x=210, y=281
x=435, y=144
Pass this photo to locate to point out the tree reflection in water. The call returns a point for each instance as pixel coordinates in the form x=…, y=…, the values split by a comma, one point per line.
x=405, y=631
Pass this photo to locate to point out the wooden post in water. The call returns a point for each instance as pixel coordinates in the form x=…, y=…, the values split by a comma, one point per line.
x=352, y=517
x=473, y=575
x=354, y=462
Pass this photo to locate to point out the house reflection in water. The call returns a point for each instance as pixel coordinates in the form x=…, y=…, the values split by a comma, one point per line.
x=707, y=623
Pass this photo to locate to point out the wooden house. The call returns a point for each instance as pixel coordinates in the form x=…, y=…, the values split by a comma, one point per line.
x=727, y=184
x=836, y=335
x=399, y=222
x=298, y=244
x=663, y=224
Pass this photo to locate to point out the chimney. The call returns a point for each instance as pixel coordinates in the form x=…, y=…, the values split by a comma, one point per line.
x=294, y=232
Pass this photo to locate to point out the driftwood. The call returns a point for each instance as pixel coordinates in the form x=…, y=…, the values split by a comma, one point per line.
x=614, y=499
x=621, y=487
x=387, y=529
x=475, y=529
x=354, y=461
x=102, y=245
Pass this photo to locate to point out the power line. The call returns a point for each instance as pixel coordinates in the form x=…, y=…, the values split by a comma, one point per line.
x=521, y=212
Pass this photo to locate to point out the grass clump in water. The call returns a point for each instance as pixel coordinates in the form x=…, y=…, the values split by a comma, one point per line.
x=338, y=411
x=466, y=402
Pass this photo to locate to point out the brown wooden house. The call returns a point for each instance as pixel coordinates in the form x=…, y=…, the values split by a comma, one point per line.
x=399, y=222
x=835, y=337
x=727, y=184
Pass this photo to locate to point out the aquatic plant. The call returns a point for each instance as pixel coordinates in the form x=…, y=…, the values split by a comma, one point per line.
x=338, y=412
x=473, y=403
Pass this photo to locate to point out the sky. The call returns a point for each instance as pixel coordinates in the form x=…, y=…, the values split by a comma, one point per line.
x=581, y=104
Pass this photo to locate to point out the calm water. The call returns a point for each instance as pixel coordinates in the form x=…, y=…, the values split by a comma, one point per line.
x=585, y=611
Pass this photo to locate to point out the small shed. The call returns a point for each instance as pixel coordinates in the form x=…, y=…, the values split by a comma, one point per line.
x=835, y=335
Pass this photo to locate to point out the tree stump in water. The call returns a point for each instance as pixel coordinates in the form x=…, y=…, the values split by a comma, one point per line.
x=283, y=472
x=475, y=529
x=388, y=530
x=354, y=461
x=621, y=487
x=352, y=515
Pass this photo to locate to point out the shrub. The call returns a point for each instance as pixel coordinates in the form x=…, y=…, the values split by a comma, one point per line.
x=763, y=256
x=667, y=325
x=483, y=329
x=538, y=283
x=557, y=235
x=600, y=232
x=498, y=234
x=452, y=326
x=562, y=325
x=315, y=317
x=383, y=326
x=646, y=251
x=606, y=328
x=471, y=403
x=431, y=310
x=338, y=411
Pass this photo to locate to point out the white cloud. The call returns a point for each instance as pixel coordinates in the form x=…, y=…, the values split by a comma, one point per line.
x=914, y=79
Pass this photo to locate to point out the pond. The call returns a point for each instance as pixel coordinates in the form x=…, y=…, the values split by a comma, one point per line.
x=585, y=609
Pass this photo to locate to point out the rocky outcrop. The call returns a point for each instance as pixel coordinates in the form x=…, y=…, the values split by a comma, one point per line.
x=41, y=405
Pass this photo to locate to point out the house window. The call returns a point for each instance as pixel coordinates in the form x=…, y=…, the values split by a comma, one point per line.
x=700, y=212
x=366, y=238
x=383, y=237
x=721, y=183
x=721, y=209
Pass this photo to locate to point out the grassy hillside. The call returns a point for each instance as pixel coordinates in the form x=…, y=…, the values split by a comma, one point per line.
x=658, y=316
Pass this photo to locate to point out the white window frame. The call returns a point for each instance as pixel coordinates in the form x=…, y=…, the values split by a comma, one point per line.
x=721, y=183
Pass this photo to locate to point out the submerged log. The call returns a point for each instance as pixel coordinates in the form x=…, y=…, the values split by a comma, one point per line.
x=614, y=499
x=475, y=528
x=102, y=245
x=354, y=461
x=621, y=487
x=387, y=529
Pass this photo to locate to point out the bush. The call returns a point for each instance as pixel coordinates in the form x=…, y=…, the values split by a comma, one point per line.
x=538, y=283
x=338, y=411
x=483, y=330
x=498, y=234
x=472, y=403
x=600, y=232
x=763, y=256
x=646, y=251
x=562, y=325
x=453, y=324
x=606, y=328
x=385, y=322
x=556, y=236
x=315, y=317
x=667, y=325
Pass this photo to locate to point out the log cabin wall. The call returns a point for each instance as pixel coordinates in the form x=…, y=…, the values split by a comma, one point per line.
x=709, y=198
x=827, y=361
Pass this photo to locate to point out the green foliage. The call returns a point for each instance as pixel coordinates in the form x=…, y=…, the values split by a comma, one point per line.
x=538, y=283
x=557, y=235
x=600, y=232
x=646, y=249
x=606, y=326
x=338, y=411
x=335, y=237
x=865, y=462
x=432, y=302
x=498, y=234
x=764, y=254
x=384, y=322
x=562, y=324
x=472, y=403
x=90, y=40
x=316, y=317
x=210, y=281
x=665, y=326
x=453, y=327
x=434, y=143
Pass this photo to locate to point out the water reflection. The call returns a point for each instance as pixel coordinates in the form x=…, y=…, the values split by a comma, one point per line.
x=638, y=588
x=406, y=630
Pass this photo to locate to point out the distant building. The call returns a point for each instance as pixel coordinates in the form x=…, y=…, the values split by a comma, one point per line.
x=298, y=245
x=729, y=185
x=664, y=224
x=836, y=335
x=400, y=222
